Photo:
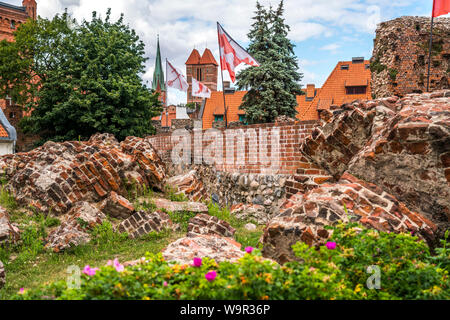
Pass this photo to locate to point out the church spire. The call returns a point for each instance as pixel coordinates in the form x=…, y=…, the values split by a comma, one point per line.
x=158, y=75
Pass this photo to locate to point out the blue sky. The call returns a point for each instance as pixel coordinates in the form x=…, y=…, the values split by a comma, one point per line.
x=324, y=31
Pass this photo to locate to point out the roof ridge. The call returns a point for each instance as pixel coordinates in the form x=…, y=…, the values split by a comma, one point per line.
x=208, y=58
x=194, y=58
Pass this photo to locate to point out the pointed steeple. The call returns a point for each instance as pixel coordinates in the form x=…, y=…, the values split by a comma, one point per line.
x=158, y=74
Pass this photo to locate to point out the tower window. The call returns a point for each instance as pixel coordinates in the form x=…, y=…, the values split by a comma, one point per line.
x=13, y=24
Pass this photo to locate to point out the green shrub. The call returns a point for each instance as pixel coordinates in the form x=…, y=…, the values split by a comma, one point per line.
x=322, y=273
x=393, y=74
x=104, y=235
x=7, y=201
x=174, y=195
x=181, y=217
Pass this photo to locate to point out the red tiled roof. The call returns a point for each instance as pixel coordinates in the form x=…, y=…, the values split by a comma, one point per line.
x=208, y=58
x=334, y=89
x=166, y=118
x=333, y=92
x=3, y=132
x=194, y=58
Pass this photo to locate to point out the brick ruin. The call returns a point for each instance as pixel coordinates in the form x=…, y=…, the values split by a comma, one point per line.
x=399, y=62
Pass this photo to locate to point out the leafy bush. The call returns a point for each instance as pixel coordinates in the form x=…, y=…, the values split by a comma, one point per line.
x=328, y=272
x=173, y=195
x=104, y=235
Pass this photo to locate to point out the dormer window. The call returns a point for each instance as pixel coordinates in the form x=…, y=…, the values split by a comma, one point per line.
x=345, y=67
x=356, y=90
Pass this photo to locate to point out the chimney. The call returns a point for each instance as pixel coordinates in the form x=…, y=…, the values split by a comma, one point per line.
x=226, y=85
x=310, y=90
x=357, y=60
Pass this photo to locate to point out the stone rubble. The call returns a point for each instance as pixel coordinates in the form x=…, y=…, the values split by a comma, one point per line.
x=173, y=206
x=54, y=177
x=117, y=206
x=189, y=185
x=74, y=228
x=184, y=250
x=9, y=233
x=204, y=224
x=142, y=223
x=250, y=212
x=400, y=145
x=304, y=217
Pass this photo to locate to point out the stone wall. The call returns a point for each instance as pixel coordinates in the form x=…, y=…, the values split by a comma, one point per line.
x=399, y=62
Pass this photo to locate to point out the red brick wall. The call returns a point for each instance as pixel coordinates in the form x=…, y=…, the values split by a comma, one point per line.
x=291, y=161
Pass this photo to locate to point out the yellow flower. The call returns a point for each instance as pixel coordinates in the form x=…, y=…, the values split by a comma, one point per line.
x=145, y=298
x=265, y=298
x=244, y=281
x=358, y=288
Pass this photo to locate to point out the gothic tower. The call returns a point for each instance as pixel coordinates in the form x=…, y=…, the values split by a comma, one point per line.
x=158, y=83
x=203, y=69
x=30, y=7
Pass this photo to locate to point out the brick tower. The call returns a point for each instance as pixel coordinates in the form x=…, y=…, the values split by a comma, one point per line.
x=11, y=17
x=202, y=68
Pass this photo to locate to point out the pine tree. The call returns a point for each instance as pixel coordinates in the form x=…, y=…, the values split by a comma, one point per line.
x=272, y=87
x=280, y=32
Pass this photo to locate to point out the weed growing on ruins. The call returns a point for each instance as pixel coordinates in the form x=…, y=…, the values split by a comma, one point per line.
x=104, y=235
x=7, y=201
x=173, y=195
x=333, y=272
x=243, y=236
x=181, y=217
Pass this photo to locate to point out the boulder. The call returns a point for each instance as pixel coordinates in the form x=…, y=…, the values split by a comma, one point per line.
x=304, y=217
x=8, y=232
x=189, y=185
x=173, y=206
x=117, y=206
x=2, y=275
x=184, y=250
x=250, y=212
x=400, y=145
x=56, y=176
x=141, y=223
x=74, y=228
x=204, y=224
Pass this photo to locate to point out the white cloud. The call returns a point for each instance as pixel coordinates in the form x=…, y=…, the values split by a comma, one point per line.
x=332, y=47
x=183, y=24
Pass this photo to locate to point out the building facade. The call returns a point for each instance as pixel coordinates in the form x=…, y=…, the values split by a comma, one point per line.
x=11, y=17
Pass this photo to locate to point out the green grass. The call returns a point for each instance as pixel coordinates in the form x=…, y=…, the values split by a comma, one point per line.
x=242, y=235
x=28, y=265
x=48, y=266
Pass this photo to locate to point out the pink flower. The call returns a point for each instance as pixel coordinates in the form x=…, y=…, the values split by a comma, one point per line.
x=89, y=271
x=210, y=276
x=165, y=284
x=249, y=250
x=21, y=291
x=197, y=262
x=331, y=245
x=118, y=266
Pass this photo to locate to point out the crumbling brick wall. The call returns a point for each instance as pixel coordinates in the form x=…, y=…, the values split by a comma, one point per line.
x=399, y=63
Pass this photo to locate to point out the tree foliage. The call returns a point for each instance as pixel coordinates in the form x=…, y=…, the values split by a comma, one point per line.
x=78, y=79
x=272, y=87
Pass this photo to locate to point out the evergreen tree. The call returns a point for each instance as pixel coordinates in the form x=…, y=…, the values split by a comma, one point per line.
x=86, y=78
x=280, y=32
x=273, y=86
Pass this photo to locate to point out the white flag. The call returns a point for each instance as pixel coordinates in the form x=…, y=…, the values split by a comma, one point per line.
x=175, y=78
x=200, y=90
x=232, y=54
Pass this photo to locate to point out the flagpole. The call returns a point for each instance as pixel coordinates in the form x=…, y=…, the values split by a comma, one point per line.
x=167, y=96
x=223, y=87
x=430, y=48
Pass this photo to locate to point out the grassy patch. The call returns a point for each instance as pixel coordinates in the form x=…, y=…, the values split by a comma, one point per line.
x=48, y=266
